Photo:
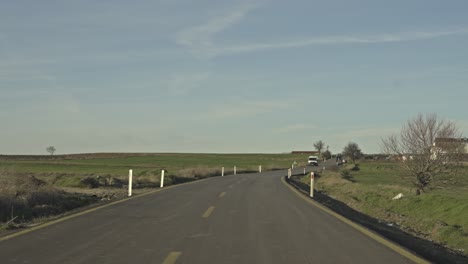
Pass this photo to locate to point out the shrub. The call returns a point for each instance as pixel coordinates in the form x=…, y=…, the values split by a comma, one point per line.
x=90, y=182
x=345, y=173
x=200, y=172
x=24, y=197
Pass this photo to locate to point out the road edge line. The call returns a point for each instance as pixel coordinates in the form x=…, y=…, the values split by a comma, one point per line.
x=371, y=234
x=87, y=211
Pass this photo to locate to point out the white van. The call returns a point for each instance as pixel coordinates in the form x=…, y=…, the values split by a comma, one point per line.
x=313, y=161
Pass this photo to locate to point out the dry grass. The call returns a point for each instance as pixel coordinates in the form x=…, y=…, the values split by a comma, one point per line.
x=24, y=197
x=199, y=172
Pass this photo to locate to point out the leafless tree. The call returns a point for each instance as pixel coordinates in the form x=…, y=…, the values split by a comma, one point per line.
x=319, y=146
x=326, y=154
x=352, y=151
x=51, y=150
x=428, y=148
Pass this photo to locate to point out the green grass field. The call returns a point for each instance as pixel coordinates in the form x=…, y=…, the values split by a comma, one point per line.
x=440, y=214
x=69, y=172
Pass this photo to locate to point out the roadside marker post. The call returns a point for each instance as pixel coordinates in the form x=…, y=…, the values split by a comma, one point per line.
x=130, y=176
x=222, y=171
x=260, y=169
x=162, y=179
x=289, y=173
x=312, y=176
x=235, y=170
x=304, y=171
x=293, y=165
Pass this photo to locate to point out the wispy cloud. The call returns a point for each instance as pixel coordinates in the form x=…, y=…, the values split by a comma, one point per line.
x=337, y=40
x=200, y=38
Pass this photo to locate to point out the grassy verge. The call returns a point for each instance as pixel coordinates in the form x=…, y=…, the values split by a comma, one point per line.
x=23, y=199
x=439, y=215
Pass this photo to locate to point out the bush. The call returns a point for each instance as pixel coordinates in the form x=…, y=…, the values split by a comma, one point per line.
x=345, y=173
x=176, y=179
x=145, y=183
x=200, y=172
x=90, y=182
x=116, y=182
x=24, y=197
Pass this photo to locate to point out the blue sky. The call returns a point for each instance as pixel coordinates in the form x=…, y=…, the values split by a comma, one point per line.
x=226, y=76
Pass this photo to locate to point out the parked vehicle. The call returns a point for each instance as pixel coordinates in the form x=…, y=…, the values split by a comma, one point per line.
x=339, y=159
x=313, y=161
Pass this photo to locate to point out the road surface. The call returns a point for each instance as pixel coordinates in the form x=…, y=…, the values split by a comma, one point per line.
x=250, y=218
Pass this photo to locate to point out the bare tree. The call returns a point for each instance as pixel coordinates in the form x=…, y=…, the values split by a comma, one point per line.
x=51, y=150
x=428, y=148
x=319, y=146
x=326, y=154
x=352, y=151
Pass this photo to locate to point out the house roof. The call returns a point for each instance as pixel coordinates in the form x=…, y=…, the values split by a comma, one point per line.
x=450, y=140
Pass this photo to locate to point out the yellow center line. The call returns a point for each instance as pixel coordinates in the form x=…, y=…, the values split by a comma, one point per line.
x=73, y=215
x=222, y=194
x=208, y=212
x=172, y=258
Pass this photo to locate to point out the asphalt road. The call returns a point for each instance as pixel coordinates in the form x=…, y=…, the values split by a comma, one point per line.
x=250, y=218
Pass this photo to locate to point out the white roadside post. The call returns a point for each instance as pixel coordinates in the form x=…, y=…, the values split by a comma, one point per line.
x=260, y=169
x=235, y=170
x=162, y=179
x=293, y=165
x=222, y=171
x=130, y=176
x=289, y=173
x=312, y=176
x=304, y=171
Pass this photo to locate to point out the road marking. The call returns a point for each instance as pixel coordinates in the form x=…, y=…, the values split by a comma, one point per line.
x=72, y=216
x=221, y=195
x=208, y=212
x=172, y=258
x=62, y=219
x=380, y=239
